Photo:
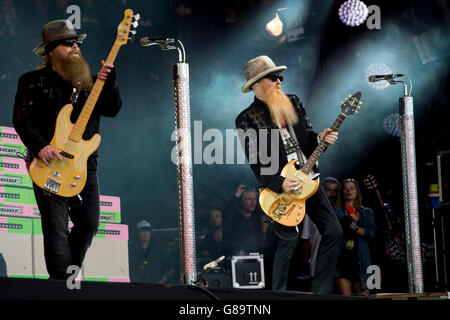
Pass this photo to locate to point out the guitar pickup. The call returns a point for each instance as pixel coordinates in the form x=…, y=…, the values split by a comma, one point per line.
x=52, y=185
x=67, y=155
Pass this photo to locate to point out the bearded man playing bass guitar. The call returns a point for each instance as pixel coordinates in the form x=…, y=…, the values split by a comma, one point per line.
x=65, y=78
x=273, y=111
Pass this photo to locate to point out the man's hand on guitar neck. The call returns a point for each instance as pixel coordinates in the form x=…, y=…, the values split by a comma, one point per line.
x=328, y=136
x=105, y=70
x=48, y=153
x=291, y=185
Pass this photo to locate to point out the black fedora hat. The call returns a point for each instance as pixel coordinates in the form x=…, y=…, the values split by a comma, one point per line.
x=57, y=30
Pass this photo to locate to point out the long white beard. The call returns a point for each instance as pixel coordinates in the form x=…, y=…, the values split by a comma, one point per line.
x=281, y=109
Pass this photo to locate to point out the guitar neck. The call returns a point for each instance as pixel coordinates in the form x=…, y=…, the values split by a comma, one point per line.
x=388, y=220
x=380, y=200
x=322, y=146
x=80, y=125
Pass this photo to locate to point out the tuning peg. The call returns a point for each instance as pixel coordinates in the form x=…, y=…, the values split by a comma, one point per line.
x=360, y=102
x=135, y=24
x=356, y=111
x=137, y=16
x=133, y=31
x=358, y=107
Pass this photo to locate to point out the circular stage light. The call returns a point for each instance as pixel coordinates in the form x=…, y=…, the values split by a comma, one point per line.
x=391, y=124
x=353, y=12
x=377, y=68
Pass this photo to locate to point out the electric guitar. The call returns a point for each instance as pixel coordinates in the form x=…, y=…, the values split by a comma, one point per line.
x=287, y=208
x=67, y=177
x=395, y=241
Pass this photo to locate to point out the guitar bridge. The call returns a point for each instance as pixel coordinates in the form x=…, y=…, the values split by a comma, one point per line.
x=52, y=185
x=280, y=209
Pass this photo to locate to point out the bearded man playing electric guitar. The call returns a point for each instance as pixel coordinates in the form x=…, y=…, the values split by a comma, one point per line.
x=273, y=111
x=65, y=78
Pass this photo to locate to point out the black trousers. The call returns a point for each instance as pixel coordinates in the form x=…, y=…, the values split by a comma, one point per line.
x=322, y=214
x=61, y=247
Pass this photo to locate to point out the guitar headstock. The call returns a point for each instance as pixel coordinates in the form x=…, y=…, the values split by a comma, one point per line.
x=371, y=183
x=351, y=103
x=123, y=30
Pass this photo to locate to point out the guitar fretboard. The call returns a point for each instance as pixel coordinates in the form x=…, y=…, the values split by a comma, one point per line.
x=322, y=146
x=83, y=118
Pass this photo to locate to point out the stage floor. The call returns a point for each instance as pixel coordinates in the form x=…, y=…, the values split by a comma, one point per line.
x=38, y=289
x=36, y=296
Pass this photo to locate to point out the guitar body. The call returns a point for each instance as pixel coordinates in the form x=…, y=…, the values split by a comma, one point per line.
x=287, y=208
x=65, y=177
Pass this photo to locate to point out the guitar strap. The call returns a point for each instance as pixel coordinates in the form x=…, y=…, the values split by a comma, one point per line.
x=291, y=146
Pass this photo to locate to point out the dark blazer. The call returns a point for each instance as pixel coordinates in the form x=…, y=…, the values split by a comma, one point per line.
x=40, y=96
x=257, y=117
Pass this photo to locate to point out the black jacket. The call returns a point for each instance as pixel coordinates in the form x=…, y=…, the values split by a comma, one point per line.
x=40, y=96
x=257, y=117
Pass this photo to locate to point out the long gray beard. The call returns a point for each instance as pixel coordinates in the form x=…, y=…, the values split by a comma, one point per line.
x=74, y=70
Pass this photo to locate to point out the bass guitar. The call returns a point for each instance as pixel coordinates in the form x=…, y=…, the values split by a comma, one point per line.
x=67, y=177
x=287, y=208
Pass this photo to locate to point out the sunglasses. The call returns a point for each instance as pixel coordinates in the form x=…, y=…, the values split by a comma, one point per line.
x=70, y=42
x=274, y=77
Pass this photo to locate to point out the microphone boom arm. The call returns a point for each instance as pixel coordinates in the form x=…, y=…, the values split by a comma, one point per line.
x=164, y=44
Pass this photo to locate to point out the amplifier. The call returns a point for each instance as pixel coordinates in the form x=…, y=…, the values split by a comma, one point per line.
x=110, y=209
x=16, y=201
x=14, y=173
x=10, y=143
x=38, y=260
x=107, y=257
x=15, y=246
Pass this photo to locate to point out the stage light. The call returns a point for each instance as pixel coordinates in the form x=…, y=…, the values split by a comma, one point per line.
x=275, y=26
x=391, y=124
x=353, y=12
x=377, y=68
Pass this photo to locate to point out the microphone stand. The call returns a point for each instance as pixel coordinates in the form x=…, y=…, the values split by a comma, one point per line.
x=186, y=218
x=410, y=199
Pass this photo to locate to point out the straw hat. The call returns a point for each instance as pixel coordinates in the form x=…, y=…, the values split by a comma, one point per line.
x=258, y=68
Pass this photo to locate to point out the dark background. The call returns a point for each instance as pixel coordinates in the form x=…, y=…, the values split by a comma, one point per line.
x=330, y=62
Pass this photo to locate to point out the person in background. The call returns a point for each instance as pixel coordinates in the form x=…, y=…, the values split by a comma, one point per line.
x=148, y=261
x=243, y=226
x=358, y=225
x=211, y=244
x=330, y=185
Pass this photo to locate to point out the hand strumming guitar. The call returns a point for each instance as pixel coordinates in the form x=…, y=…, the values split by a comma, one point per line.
x=291, y=185
x=48, y=153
